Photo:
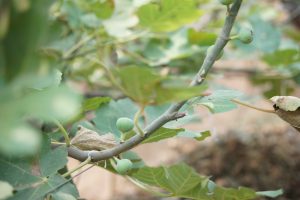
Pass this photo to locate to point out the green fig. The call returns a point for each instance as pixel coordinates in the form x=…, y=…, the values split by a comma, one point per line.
x=245, y=35
x=124, y=124
x=123, y=166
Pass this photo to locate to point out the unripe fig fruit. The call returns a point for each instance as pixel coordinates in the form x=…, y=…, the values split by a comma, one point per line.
x=124, y=124
x=123, y=166
x=209, y=50
x=245, y=35
x=226, y=2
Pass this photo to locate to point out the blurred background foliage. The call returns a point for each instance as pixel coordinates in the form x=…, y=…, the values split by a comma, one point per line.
x=62, y=59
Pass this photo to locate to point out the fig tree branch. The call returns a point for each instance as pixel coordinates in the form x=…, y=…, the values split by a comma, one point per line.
x=173, y=112
x=128, y=144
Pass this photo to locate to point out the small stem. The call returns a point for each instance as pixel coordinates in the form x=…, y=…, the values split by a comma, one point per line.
x=58, y=143
x=122, y=139
x=234, y=37
x=87, y=161
x=137, y=56
x=136, y=120
x=79, y=44
x=250, y=106
x=109, y=74
x=116, y=158
x=228, y=9
x=63, y=131
x=105, y=43
x=112, y=162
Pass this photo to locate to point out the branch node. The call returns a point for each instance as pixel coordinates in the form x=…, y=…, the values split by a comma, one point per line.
x=200, y=79
x=89, y=155
x=179, y=115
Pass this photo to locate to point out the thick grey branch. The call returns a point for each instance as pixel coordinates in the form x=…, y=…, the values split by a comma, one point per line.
x=128, y=144
x=172, y=112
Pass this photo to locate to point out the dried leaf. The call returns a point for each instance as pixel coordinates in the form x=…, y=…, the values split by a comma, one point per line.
x=287, y=108
x=287, y=103
x=292, y=117
x=87, y=139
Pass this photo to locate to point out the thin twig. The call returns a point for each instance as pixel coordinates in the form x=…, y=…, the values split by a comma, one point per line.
x=58, y=143
x=79, y=44
x=137, y=57
x=110, y=42
x=136, y=120
x=110, y=75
